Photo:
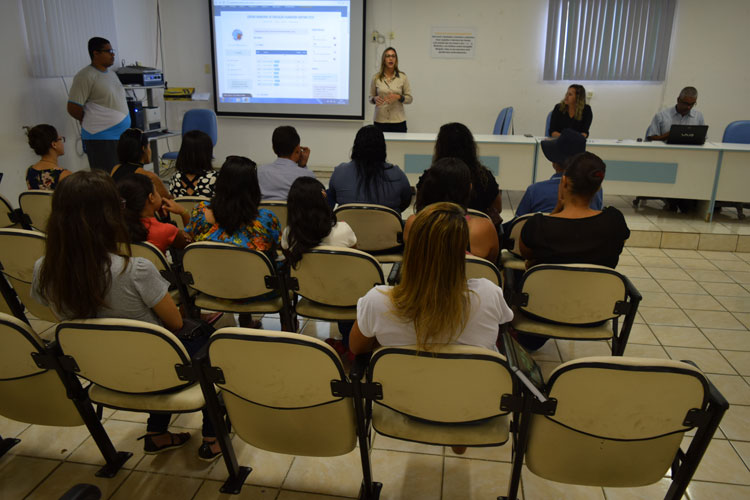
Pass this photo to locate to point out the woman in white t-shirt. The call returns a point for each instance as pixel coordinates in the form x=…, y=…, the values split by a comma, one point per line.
x=434, y=303
x=311, y=223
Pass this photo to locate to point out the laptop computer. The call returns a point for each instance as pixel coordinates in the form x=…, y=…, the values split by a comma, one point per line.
x=687, y=134
x=523, y=365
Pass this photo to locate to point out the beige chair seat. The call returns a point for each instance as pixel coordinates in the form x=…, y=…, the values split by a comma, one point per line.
x=310, y=309
x=525, y=324
x=183, y=400
x=258, y=306
x=490, y=432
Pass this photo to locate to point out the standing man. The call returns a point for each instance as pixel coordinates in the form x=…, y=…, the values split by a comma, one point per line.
x=97, y=100
x=684, y=113
x=276, y=178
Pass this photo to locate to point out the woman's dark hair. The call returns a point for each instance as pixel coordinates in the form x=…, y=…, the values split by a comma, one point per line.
x=309, y=217
x=368, y=154
x=237, y=194
x=41, y=138
x=84, y=228
x=448, y=179
x=586, y=172
x=196, y=152
x=130, y=146
x=455, y=140
x=134, y=190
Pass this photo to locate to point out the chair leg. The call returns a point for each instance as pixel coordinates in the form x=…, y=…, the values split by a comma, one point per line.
x=6, y=444
x=522, y=422
x=11, y=298
x=370, y=490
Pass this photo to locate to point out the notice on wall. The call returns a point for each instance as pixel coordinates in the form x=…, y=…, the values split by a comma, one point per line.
x=453, y=42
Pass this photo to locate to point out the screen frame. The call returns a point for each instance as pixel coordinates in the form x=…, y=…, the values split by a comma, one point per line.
x=214, y=81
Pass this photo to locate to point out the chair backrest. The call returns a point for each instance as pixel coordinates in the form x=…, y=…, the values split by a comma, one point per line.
x=546, y=127
x=279, y=209
x=619, y=421
x=29, y=393
x=477, y=267
x=6, y=210
x=508, y=121
x=277, y=391
x=574, y=294
x=188, y=203
x=19, y=250
x=227, y=271
x=203, y=120
x=124, y=355
x=500, y=121
x=37, y=204
x=478, y=213
x=336, y=276
x=378, y=228
x=451, y=384
x=514, y=234
x=738, y=132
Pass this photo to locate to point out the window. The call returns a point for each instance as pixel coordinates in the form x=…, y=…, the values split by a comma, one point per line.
x=608, y=39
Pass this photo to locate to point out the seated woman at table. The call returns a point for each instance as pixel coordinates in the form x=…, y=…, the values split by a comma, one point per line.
x=46, y=173
x=574, y=233
x=195, y=174
x=572, y=112
x=368, y=178
x=133, y=151
x=449, y=180
x=455, y=140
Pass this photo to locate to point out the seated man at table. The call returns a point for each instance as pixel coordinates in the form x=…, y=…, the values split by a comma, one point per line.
x=542, y=196
x=276, y=178
x=683, y=113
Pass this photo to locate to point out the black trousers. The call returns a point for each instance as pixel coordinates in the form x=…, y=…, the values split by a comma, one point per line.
x=391, y=127
x=102, y=154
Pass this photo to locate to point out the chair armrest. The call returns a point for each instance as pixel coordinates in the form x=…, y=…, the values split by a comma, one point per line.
x=714, y=396
x=359, y=368
x=632, y=291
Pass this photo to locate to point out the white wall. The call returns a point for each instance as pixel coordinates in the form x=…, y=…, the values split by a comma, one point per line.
x=709, y=51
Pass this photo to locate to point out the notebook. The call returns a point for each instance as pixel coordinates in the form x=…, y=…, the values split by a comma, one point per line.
x=523, y=365
x=687, y=134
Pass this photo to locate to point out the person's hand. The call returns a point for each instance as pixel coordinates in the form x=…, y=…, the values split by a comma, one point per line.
x=392, y=98
x=168, y=205
x=304, y=154
x=379, y=101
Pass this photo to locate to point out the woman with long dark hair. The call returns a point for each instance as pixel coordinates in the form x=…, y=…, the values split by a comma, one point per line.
x=134, y=151
x=232, y=215
x=571, y=112
x=85, y=273
x=141, y=202
x=455, y=140
x=389, y=91
x=195, y=174
x=46, y=173
x=368, y=178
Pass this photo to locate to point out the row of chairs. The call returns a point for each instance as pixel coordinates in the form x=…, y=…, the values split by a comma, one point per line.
x=602, y=421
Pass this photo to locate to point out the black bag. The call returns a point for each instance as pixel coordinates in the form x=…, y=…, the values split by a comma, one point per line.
x=193, y=329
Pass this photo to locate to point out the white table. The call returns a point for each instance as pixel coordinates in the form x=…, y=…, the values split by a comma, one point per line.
x=510, y=157
x=733, y=177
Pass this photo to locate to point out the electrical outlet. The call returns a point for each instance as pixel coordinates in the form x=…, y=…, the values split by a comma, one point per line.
x=375, y=36
x=589, y=96
x=391, y=35
x=207, y=69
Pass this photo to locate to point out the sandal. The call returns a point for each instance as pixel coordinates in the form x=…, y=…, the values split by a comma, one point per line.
x=178, y=440
x=205, y=453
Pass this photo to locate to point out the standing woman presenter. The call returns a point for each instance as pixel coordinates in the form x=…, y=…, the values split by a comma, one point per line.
x=389, y=91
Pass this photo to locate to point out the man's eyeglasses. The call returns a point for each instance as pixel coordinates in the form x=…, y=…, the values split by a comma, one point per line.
x=61, y=138
x=111, y=51
x=687, y=104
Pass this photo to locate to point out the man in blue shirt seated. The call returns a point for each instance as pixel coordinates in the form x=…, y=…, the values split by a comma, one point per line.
x=542, y=196
x=276, y=178
x=683, y=113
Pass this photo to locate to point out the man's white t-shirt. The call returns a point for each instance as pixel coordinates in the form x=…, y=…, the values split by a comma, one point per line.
x=488, y=310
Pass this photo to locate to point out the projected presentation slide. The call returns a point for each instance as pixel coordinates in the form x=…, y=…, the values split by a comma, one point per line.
x=288, y=57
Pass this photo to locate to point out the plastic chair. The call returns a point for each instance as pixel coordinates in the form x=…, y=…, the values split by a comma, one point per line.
x=8, y=215
x=226, y=276
x=547, y=133
x=197, y=119
x=477, y=267
x=188, y=203
x=619, y=422
x=36, y=206
x=279, y=209
x=34, y=389
x=510, y=256
x=329, y=281
x=454, y=395
x=503, y=122
x=575, y=301
x=379, y=229
x=19, y=250
x=289, y=393
x=736, y=132
x=177, y=288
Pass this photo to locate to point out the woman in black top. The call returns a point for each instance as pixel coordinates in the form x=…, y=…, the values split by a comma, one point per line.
x=133, y=151
x=574, y=233
x=572, y=112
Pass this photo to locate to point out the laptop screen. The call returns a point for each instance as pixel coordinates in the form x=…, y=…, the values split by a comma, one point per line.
x=687, y=134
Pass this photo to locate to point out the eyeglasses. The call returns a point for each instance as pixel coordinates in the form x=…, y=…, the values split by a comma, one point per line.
x=111, y=51
x=61, y=138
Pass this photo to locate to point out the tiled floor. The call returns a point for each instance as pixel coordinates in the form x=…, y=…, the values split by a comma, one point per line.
x=695, y=307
